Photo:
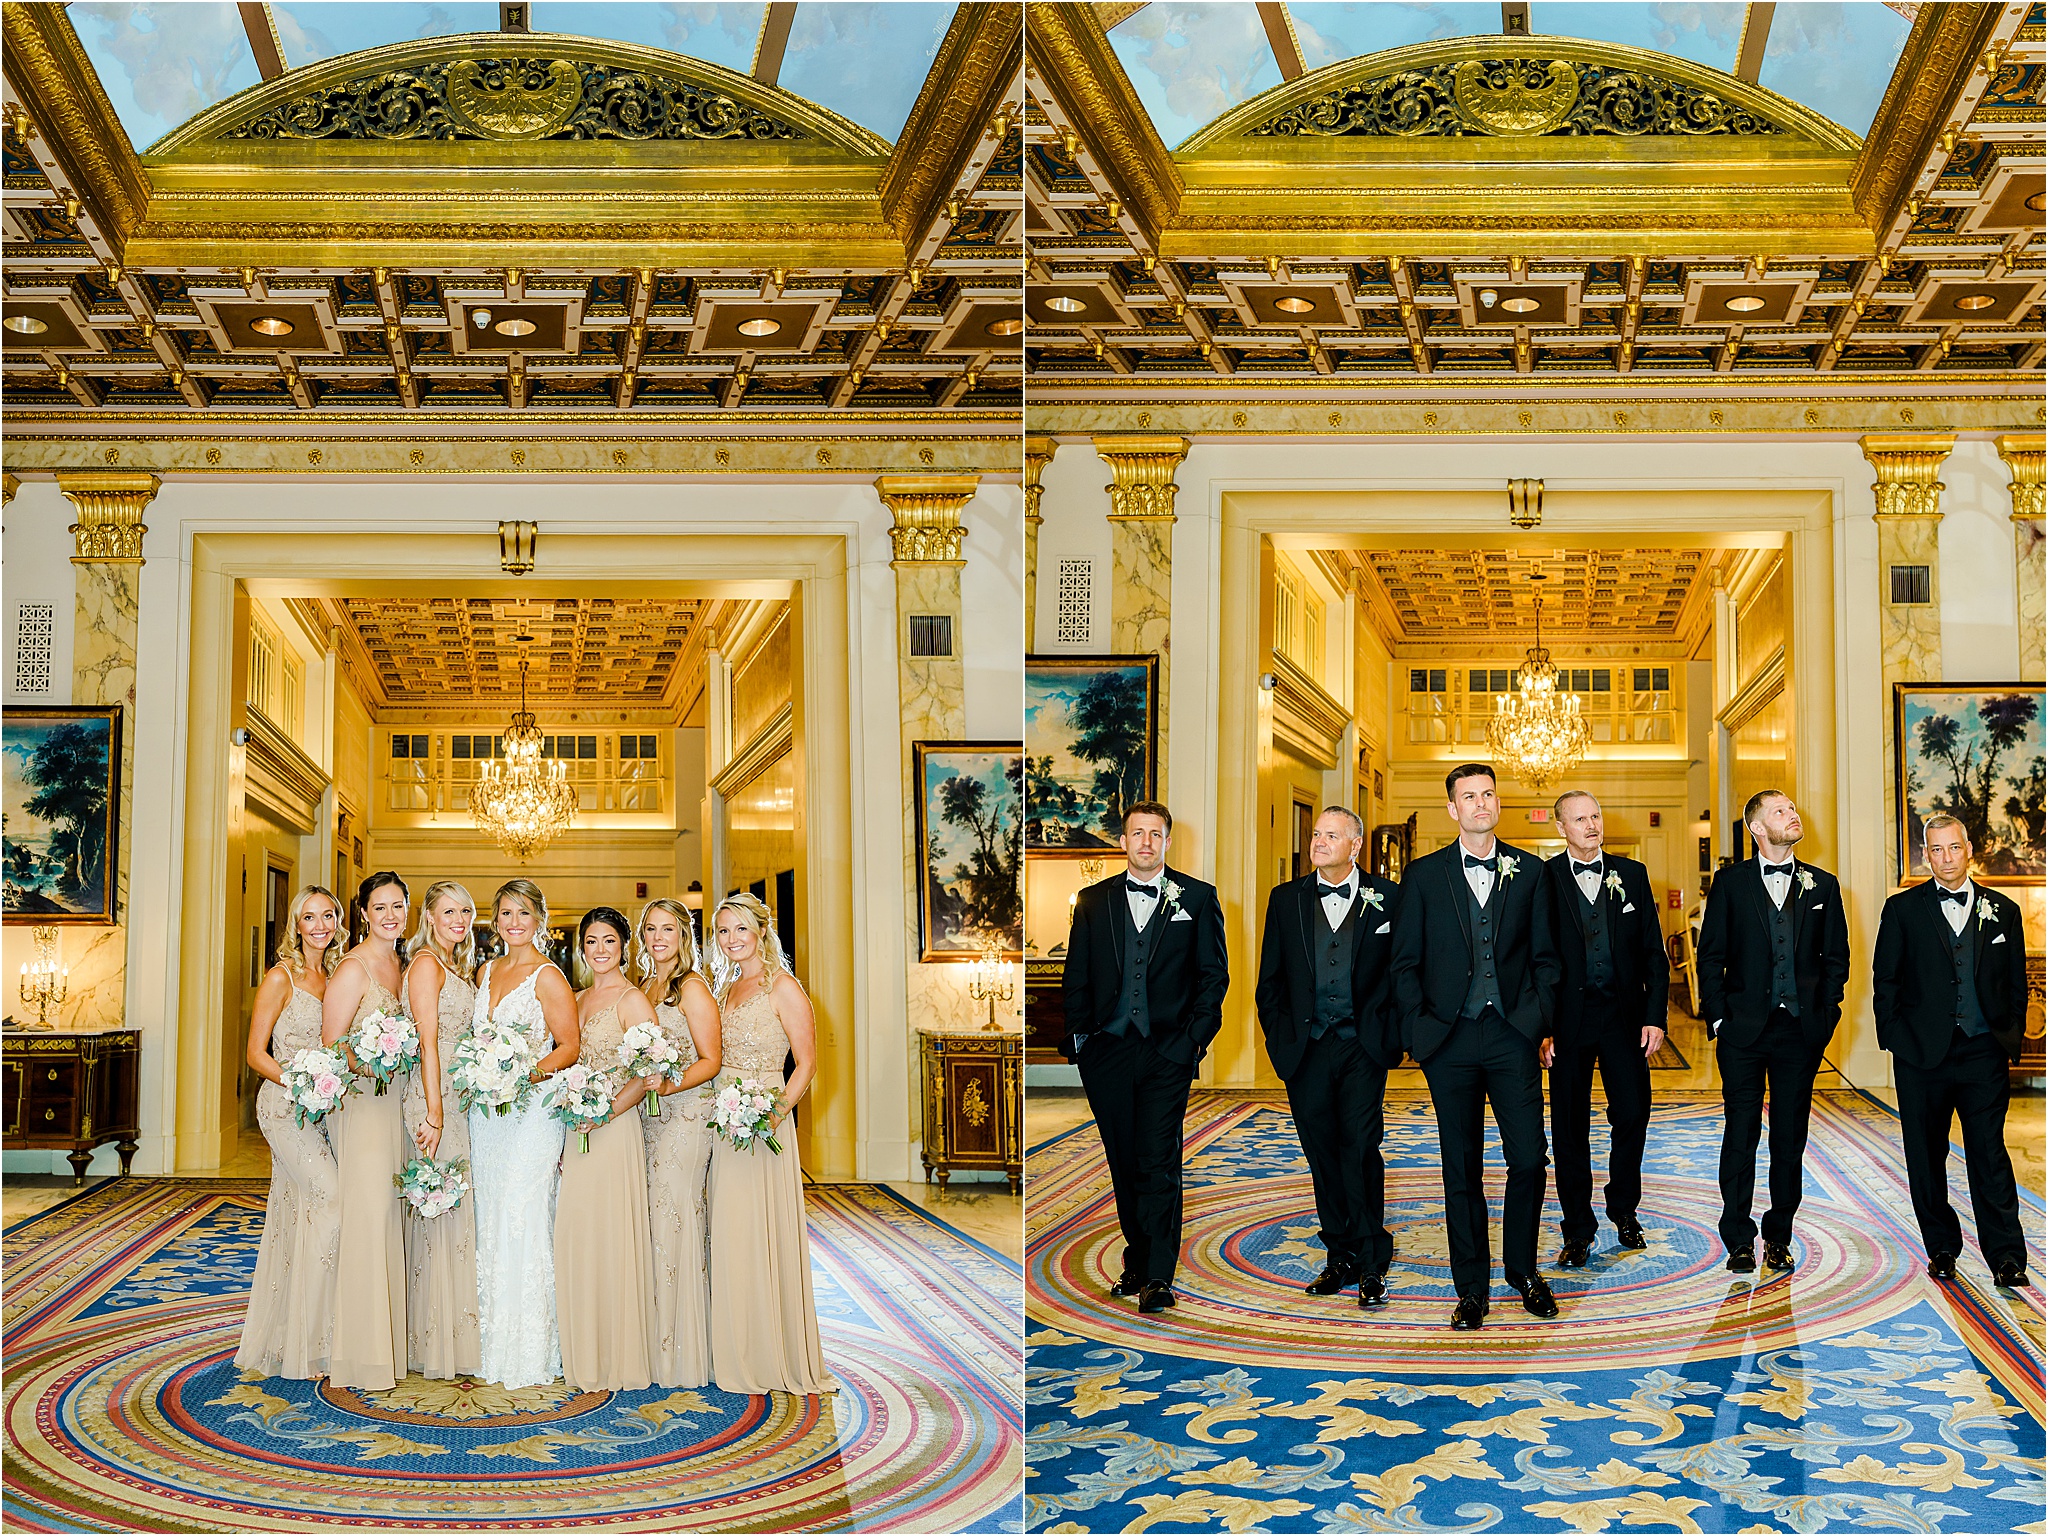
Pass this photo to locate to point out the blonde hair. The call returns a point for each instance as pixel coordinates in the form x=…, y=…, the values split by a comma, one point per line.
x=291, y=953
x=725, y=972
x=689, y=958
x=462, y=960
x=527, y=894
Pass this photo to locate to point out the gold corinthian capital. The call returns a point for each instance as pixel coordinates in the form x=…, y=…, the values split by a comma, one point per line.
x=110, y=505
x=1906, y=465
x=926, y=510
x=2022, y=452
x=1143, y=468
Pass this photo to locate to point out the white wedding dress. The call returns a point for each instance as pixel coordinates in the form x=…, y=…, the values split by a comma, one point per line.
x=515, y=1161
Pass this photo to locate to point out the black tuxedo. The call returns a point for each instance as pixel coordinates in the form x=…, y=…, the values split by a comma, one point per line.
x=1765, y=1034
x=1948, y=1070
x=1470, y=1059
x=1334, y=1056
x=1599, y=1021
x=1138, y=1062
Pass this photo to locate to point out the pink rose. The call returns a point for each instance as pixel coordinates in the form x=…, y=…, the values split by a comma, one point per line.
x=387, y=1042
x=327, y=1085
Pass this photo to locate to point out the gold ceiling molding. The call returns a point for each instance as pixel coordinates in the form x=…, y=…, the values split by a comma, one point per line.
x=57, y=88
x=1069, y=52
x=110, y=505
x=1941, y=53
x=965, y=99
x=509, y=88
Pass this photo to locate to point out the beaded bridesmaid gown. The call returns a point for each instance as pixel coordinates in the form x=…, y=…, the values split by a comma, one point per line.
x=604, y=1262
x=290, y=1323
x=440, y=1255
x=678, y=1165
x=368, y=1134
x=764, y=1318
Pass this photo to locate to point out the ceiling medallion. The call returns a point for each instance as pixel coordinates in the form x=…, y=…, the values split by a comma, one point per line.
x=1521, y=305
x=1294, y=305
x=1745, y=303
x=271, y=325
x=515, y=327
x=1009, y=327
x=1976, y=301
x=521, y=803
x=1065, y=305
x=1537, y=733
x=759, y=326
x=25, y=325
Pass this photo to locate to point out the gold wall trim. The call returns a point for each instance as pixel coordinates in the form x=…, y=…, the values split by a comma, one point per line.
x=1767, y=683
x=769, y=744
x=1068, y=50
x=967, y=85
x=281, y=779
x=51, y=77
x=1307, y=720
x=1940, y=54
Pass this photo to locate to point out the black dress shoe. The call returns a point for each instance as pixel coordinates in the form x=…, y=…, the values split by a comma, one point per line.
x=1334, y=1278
x=1628, y=1232
x=1942, y=1266
x=1156, y=1297
x=1372, y=1292
x=1469, y=1314
x=1742, y=1260
x=2011, y=1275
x=1127, y=1284
x=1574, y=1255
x=1536, y=1298
x=1778, y=1256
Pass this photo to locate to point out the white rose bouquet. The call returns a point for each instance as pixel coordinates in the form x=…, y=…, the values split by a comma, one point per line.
x=647, y=1051
x=743, y=1112
x=430, y=1188
x=492, y=1069
x=580, y=1095
x=315, y=1080
x=385, y=1045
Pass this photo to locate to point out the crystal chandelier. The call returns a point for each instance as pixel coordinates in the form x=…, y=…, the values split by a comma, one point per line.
x=520, y=801
x=1537, y=733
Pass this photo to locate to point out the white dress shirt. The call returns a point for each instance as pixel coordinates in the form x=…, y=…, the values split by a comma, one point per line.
x=1481, y=880
x=1777, y=882
x=1335, y=907
x=1589, y=879
x=1958, y=912
x=1144, y=908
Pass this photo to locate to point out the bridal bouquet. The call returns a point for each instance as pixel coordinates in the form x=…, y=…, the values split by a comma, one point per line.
x=743, y=1112
x=493, y=1069
x=430, y=1188
x=647, y=1051
x=385, y=1045
x=315, y=1080
x=581, y=1094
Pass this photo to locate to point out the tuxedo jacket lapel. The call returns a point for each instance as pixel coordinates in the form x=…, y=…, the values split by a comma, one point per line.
x=1116, y=923
x=1454, y=875
x=1306, y=906
x=1980, y=936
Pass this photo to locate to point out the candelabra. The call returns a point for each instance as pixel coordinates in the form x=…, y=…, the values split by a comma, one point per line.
x=43, y=980
x=990, y=982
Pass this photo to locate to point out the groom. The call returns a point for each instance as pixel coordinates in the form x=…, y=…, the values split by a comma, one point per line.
x=1144, y=982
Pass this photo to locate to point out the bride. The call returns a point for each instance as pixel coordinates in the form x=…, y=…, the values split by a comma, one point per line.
x=515, y=1157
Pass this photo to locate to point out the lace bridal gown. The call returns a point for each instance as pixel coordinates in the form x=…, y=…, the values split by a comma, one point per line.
x=515, y=1160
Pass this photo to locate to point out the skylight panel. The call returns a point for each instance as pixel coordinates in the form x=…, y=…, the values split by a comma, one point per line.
x=1701, y=33
x=1329, y=30
x=1190, y=62
x=1836, y=57
x=311, y=30
x=865, y=62
x=718, y=34
x=161, y=64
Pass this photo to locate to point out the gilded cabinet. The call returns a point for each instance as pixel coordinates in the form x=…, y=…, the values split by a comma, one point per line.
x=72, y=1092
x=974, y=1103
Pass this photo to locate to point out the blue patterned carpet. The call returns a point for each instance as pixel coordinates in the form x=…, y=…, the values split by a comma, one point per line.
x=1855, y=1394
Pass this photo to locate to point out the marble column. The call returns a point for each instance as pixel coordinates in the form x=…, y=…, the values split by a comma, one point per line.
x=1908, y=533
x=107, y=573
x=1141, y=520
x=2022, y=452
x=1038, y=452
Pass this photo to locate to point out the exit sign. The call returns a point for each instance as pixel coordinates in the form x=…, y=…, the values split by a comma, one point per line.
x=1541, y=813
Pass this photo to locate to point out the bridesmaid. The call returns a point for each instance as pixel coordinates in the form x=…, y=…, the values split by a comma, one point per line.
x=440, y=1255
x=604, y=1260
x=679, y=1144
x=764, y=1320
x=368, y=1133
x=291, y=1301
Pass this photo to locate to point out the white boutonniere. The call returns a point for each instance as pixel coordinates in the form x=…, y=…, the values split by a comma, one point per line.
x=1508, y=865
x=1614, y=881
x=1806, y=879
x=1984, y=913
x=1372, y=898
x=1171, y=891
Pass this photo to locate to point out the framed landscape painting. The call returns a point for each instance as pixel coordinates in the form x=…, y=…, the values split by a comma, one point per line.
x=1091, y=734
x=61, y=812
x=1973, y=751
x=970, y=815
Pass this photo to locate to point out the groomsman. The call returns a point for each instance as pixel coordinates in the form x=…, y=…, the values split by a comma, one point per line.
x=1144, y=982
x=1773, y=960
x=1475, y=977
x=1951, y=975
x=1326, y=1006
x=1610, y=1013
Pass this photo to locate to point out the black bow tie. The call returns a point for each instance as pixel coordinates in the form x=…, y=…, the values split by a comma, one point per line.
x=1343, y=890
x=1142, y=890
x=1485, y=863
x=1784, y=869
x=1962, y=897
x=1585, y=869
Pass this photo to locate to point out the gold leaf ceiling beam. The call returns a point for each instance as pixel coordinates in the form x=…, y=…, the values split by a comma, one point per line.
x=72, y=131
x=951, y=135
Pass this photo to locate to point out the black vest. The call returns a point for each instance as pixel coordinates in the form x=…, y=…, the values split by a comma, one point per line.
x=1484, y=992
x=1969, y=1012
x=1134, y=1006
x=1334, y=951
x=1599, y=936
x=1784, y=977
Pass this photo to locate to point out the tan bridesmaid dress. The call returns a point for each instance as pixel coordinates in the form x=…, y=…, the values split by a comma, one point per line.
x=291, y=1301
x=368, y=1133
x=604, y=1259
x=764, y=1319
x=678, y=1162
x=440, y=1255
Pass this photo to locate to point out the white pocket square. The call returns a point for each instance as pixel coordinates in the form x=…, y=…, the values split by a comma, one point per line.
x=1999, y=940
x=1388, y=927
x=1818, y=905
x=1182, y=917
x=1628, y=909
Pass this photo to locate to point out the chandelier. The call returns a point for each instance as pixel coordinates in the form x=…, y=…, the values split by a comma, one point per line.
x=1537, y=733
x=520, y=801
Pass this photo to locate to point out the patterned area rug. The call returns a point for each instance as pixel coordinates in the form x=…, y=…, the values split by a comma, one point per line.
x=125, y=1412
x=1854, y=1393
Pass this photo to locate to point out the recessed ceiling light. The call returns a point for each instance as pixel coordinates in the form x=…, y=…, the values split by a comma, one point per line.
x=25, y=325
x=1745, y=303
x=271, y=325
x=1294, y=305
x=1008, y=327
x=515, y=327
x=481, y=318
x=1976, y=301
x=2038, y=201
x=1521, y=305
x=759, y=326
x=1065, y=305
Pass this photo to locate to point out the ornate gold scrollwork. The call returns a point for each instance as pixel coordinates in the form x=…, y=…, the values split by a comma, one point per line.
x=499, y=102
x=110, y=506
x=1514, y=97
x=974, y=1105
x=926, y=510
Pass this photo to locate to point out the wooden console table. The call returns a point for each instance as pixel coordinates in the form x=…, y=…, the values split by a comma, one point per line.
x=974, y=1102
x=72, y=1091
